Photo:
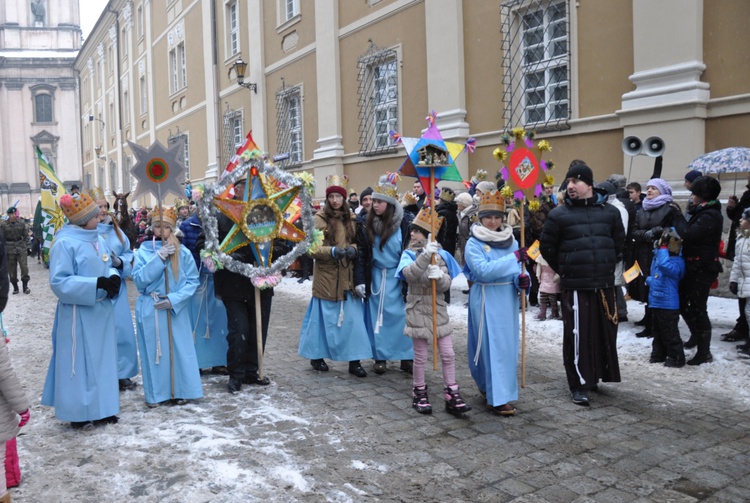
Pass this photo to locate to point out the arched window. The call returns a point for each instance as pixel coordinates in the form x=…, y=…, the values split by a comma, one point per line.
x=44, y=101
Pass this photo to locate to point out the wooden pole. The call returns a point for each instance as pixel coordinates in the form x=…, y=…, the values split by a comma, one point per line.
x=166, y=290
x=523, y=302
x=259, y=332
x=433, y=225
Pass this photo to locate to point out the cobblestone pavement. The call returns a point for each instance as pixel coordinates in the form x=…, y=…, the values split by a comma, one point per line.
x=359, y=439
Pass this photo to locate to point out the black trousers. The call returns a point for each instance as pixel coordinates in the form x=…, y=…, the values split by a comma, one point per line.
x=694, y=290
x=242, y=355
x=667, y=341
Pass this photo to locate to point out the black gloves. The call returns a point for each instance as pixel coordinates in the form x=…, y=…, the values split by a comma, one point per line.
x=111, y=285
x=654, y=233
x=342, y=253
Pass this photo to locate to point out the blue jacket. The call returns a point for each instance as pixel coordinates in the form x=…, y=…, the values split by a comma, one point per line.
x=666, y=273
x=191, y=229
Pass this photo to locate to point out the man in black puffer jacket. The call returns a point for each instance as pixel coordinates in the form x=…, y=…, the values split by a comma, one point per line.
x=582, y=240
x=700, y=249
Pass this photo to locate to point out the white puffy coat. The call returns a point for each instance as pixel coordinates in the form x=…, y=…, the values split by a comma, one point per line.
x=741, y=266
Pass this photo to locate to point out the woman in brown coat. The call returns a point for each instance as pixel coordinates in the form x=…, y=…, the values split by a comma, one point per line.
x=334, y=325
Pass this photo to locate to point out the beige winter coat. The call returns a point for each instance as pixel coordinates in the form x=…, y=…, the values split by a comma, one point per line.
x=419, y=298
x=12, y=397
x=331, y=277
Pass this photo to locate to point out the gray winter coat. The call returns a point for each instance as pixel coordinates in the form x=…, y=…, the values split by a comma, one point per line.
x=419, y=298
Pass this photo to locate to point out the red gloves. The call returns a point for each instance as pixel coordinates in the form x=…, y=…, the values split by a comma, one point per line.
x=25, y=415
x=524, y=281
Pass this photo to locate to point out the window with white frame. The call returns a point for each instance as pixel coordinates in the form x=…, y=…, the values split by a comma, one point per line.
x=233, y=29
x=536, y=62
x=236, y=127
x=181, y=136
x=378, y=100
x=43, y=106
x=289, y=134
x=291, y=9
x=139, y=21
x=125, y=107
x=144, y=94
x=178, y=67
x=124, y=43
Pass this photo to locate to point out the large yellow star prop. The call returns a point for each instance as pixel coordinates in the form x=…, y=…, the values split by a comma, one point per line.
x=258, y=218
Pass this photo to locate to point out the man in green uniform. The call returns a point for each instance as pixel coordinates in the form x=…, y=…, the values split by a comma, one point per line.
x=16, y=241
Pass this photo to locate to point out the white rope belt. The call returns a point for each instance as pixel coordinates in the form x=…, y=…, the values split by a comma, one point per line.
x=381, y=293
x=73, y=363
x=202, y=291
x=155, y=296
x=481, y=319
x=576, y=338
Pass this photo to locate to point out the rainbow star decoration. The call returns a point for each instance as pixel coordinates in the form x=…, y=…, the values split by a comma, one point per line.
x=444, y=168
x=259, y=218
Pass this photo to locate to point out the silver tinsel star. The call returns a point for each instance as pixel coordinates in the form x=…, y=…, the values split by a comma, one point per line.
x=158, y=171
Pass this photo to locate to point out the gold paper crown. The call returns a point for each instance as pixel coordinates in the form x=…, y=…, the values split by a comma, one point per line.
x=79, y=210
x=409, y=199
x=492, y=201
x=549, y=181
x=424, y=220
x=179, y=203
x=96, y=194
x=337, y=181
x=386, y=186
x=166, y=214
x=447, y=194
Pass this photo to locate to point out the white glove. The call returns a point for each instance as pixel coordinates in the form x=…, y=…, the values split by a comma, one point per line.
x=163, y=304
x=165, y=251
x=360, y=291
x=431, y=247
x=434, y=272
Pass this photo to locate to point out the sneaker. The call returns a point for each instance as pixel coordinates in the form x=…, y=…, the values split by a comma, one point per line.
x=126, y=384
x=82, y=425
x=379, y=367
x=581, y=397
x=502, y=410
x=319, y=365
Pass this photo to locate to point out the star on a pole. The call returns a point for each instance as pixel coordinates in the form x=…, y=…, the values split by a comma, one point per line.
x=258, y=218
x=158, y=171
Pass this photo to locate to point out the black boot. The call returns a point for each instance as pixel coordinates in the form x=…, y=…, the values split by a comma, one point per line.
x=26, y=287
x=15, y=287
x=420, y=401
x=692, y=342
x=703, y=355
x=319, y=364
x=355, y=368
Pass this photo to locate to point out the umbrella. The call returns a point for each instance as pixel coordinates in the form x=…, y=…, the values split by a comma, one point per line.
x=726, y=160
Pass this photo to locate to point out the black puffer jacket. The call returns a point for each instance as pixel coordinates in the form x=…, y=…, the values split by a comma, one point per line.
x=582, y=241
x=700, y=240
x=448, y=234
x=668, y=215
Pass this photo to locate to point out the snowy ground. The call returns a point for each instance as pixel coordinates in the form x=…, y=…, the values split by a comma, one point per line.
x=265, y=444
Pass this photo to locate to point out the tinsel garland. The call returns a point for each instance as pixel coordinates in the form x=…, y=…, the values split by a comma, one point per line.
x=207, y=213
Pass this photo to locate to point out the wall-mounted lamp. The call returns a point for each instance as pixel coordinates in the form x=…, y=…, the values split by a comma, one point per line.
x=98, y=152
x=239, y=69
x=92, y=119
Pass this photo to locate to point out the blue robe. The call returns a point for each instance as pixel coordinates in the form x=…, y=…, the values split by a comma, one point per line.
x=494, y=273
x=153, y=338
x=127, y=350
x=82, y=377
x=329, y=332
x=209, y=317
x=387, y=339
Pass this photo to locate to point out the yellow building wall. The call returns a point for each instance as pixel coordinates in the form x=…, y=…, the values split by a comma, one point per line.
x=605, y=56
x=304, y=30
x=726, y=47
